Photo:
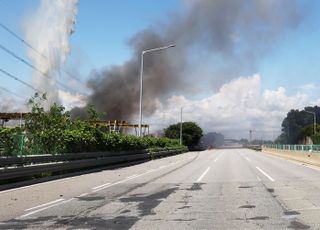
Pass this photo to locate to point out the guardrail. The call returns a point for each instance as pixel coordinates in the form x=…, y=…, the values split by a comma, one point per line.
x=300, y=148
x=18, y=167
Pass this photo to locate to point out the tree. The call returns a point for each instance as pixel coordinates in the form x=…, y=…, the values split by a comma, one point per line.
x=294, y=122
x=308, y=131
x=191, y=133
x=44, y=129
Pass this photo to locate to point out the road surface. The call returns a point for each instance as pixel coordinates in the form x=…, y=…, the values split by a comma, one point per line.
x=217, y=189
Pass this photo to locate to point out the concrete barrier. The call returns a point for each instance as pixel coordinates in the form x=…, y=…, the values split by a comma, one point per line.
x=301, y=156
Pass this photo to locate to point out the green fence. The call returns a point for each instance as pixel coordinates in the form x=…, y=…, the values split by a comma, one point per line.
x=301, y=148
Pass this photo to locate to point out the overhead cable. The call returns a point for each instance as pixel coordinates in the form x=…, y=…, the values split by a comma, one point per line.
x=20, y=39
x=19, y=80
x=33, y=67
x=13, y=93
x=33, y=49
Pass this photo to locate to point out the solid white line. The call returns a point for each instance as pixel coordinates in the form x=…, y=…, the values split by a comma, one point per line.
x=130, y=178
x=264, y=173
x=100, y=186
x=203, y=174
x=42, y=209
x=134, y=175
x=39, y=206
x=83, y=194
x=42, y=183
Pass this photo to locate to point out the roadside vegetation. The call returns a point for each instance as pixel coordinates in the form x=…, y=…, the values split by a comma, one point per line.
x=298, y=125
x=191, y=134
x=54, y=132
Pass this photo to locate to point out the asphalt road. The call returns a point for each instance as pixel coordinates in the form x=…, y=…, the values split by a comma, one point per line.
x=218, y=189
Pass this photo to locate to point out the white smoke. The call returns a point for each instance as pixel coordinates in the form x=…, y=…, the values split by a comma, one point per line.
x=48, y=30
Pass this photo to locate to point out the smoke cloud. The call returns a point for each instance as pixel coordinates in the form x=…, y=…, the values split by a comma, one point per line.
x=227, y=37
x=48, y=30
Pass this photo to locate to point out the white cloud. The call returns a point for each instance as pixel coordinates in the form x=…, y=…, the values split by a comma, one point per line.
x=238, y=106
x=11, y=104
x=309, y=86
x=70, y=100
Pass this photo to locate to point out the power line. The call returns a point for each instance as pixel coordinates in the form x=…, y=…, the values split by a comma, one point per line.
x=8, y=91
x=32, y=66
x=19, y=80
x=20, y=39
x=33, y=49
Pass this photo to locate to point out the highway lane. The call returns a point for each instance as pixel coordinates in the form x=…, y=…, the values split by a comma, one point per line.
x=219, y=189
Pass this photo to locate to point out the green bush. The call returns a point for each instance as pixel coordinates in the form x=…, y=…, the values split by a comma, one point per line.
x=11, y=141
x=54, y=132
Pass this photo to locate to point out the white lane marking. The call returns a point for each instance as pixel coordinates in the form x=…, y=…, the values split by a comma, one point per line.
x=258, y=178
x=100, y=186
x=216, y=159
x=264, y=173
x=42, y=205
x=130, y=178
x=95, y=190
x=247, y=159
x=42, y=209
x=203, y=174
x=134, y=175
x=310, y=208
x=42, y=183
x=83, y=194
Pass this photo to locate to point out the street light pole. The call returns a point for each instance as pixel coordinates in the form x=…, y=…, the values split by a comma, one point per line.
x=181, y=127
x=141, y=81
x=314, y=120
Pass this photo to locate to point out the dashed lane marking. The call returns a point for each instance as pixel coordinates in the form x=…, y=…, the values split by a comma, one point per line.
x=264, y=173
x=203, y=174
x=45, y=204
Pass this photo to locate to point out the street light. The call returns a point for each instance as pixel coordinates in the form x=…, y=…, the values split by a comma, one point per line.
x=314, y=120
x=141, y=80
x=181, y=127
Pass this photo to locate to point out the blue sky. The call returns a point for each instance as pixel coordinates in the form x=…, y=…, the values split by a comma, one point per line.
x=104, y=27
x=102, y=31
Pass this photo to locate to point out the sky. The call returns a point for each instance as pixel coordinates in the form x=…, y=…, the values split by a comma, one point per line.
x=250, y=91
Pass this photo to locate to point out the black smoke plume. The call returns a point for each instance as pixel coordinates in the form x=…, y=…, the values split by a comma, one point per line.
x=236, y=32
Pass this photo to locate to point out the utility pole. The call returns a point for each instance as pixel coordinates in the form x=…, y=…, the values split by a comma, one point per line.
x=181, y=126
x=250, y=140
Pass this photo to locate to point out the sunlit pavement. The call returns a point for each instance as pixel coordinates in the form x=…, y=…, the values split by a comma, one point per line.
x=218, y=189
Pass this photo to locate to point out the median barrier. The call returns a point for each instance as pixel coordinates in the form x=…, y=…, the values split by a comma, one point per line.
x=308, y=157
x=28, y=166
